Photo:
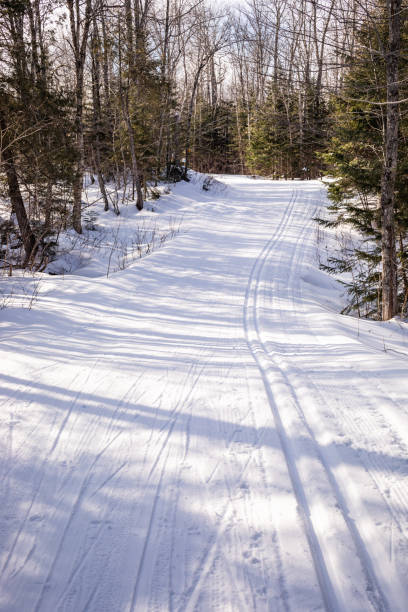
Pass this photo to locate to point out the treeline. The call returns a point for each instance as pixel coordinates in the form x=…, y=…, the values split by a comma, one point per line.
x=131, y=92
x=134, y=91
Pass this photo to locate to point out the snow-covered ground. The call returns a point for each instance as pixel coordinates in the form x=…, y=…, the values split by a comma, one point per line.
x=198, y=429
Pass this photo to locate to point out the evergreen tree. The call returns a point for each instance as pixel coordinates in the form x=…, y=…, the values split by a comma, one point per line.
x=289, y=130
x=356, y=156
x=215, y=139
x=36, y=126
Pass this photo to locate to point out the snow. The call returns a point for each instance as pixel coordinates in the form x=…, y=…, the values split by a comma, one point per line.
x=199, y=429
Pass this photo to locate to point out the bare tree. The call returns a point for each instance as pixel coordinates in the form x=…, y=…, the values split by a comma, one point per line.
x=80, y=22
x=97, y=111
x=208, y=38
x=124, y=101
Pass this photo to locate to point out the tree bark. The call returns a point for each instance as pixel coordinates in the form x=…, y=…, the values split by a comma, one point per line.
x=166, y=88
x=190, y=115
x=124, y=101
x=132, y=146
x=79, y=39
x=95, y=47
x=388, y=247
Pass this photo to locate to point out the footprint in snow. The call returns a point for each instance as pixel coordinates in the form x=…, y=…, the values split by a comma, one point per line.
x=35, y=518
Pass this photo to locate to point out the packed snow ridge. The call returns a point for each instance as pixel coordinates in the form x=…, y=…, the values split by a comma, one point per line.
x=199, y=429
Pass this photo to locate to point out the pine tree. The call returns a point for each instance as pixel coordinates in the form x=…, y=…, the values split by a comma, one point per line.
x=356, y=156
x=215, y=147
x=35, y=122
x=289, y=130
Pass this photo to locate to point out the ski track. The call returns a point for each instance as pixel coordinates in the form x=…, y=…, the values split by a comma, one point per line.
x=180, y=449
x=372, y=588
x=373, y=421
x=300, y=388
x=370, y=422
x=260, y=355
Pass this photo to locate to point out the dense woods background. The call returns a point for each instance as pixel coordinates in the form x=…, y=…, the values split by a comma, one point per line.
x=133, y=92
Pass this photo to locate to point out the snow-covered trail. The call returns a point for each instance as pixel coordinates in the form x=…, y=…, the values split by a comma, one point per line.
x=201, y=431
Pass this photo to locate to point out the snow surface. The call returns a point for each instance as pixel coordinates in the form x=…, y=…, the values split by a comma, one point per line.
x=198, y=429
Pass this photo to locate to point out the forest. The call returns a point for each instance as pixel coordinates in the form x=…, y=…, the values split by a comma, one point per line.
x=131, y=93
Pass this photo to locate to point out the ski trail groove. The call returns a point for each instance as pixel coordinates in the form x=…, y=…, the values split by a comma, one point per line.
x=302, y=384
x=73, y=513
x=44, y=463
x=147, y=539
x=267, y=363
x=374, y=590
x=370, y=423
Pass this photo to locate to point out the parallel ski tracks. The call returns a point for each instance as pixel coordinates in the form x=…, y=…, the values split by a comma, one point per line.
x=213, y=553
x=264, y=362
x=301, y=386
x=372, y=421
x=163, y=449
x=378, y=418
x=275, y=379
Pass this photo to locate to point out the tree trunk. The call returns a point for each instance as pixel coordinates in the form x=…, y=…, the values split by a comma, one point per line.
x=132, y=146
x=388, y=248
x=124, y=101
x=130, y=55
x=17, y=203
x=79, y=38
x=97, y=113
x=78, y=178
x=166, y=89
x=190, y=115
